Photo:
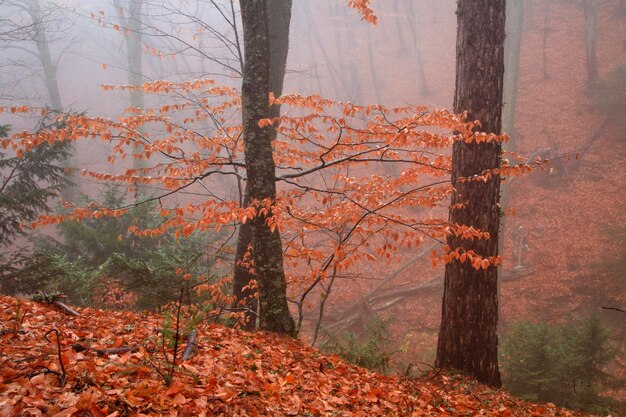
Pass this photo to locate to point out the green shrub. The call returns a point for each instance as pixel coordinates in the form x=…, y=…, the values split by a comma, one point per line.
x=30, y=273
x=370, y=350
x=99, y=256
x=27, y=184
x=563, y=364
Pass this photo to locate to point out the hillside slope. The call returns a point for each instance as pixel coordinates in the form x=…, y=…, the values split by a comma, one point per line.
x=233, y=374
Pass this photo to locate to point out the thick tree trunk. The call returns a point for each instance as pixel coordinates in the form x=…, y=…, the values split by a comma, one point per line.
x=261, y=184
x=591, y=19
x=467, y=338
x=279, y=15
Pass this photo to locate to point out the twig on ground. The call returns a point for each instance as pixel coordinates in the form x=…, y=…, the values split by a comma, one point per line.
x=614, y=309
x=62, y=376
x=77, y=347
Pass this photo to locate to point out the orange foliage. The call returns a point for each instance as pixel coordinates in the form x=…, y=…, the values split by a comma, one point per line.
x=354, y=182
x=363, y=7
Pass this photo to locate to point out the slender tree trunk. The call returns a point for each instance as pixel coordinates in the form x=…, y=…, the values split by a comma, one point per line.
x=398, y=22
x=546, y=32
x=131, y=22
x=130, y=19
x=591, y=18
x=371, y=57
x=45, y=57
x=512, y=50
x=467, y=338
x=135, y=53
x=422, y=85
x=274, y=312
x=49, y=67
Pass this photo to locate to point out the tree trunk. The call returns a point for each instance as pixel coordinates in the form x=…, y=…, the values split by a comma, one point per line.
x=591, y=19
x=274, y=312
x=131, y=23
x=546, y=32
x=44, y=55
x=135, y=53
x=422, y=85
x=512, y=49
x=279, y=15
x=49, y=67
x=371, y=58
x=467, y=338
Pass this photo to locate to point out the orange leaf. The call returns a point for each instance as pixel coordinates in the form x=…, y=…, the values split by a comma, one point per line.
x=118, y=342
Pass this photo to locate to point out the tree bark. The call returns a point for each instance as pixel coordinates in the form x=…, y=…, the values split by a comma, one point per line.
x=274, y=312
x=467, y=338
x=279, y=20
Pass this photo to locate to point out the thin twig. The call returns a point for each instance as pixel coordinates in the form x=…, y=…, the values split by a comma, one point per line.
x=177, y=334
x=63, y=375
x=614, y=309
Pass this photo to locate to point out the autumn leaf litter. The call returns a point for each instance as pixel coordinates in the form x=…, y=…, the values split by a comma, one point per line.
x=234, y=373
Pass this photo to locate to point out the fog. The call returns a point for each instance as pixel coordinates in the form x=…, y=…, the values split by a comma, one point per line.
x=561, y=247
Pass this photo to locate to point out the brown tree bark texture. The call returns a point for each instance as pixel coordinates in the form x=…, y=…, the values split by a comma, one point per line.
x=279, y=20
x=267, y=246
x=467, y=338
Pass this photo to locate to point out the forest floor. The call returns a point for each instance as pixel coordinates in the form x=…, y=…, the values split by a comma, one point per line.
x=105, y=363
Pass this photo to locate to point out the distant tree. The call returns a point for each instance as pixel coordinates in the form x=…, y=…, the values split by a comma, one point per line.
x=591, y=19
x=467, y=338
x=609, y=95
x=30, y=25
x=512, y=49
x=130, y=18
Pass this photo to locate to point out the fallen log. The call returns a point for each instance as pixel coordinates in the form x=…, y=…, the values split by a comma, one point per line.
x=77, y=347
x=53, y=298
x=373, y=302
x=192, y=345
x=65, y=309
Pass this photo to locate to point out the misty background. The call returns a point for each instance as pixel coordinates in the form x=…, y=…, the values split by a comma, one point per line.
x=561, y=247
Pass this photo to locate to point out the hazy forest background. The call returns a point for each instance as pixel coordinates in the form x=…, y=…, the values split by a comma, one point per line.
x=563, y=246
